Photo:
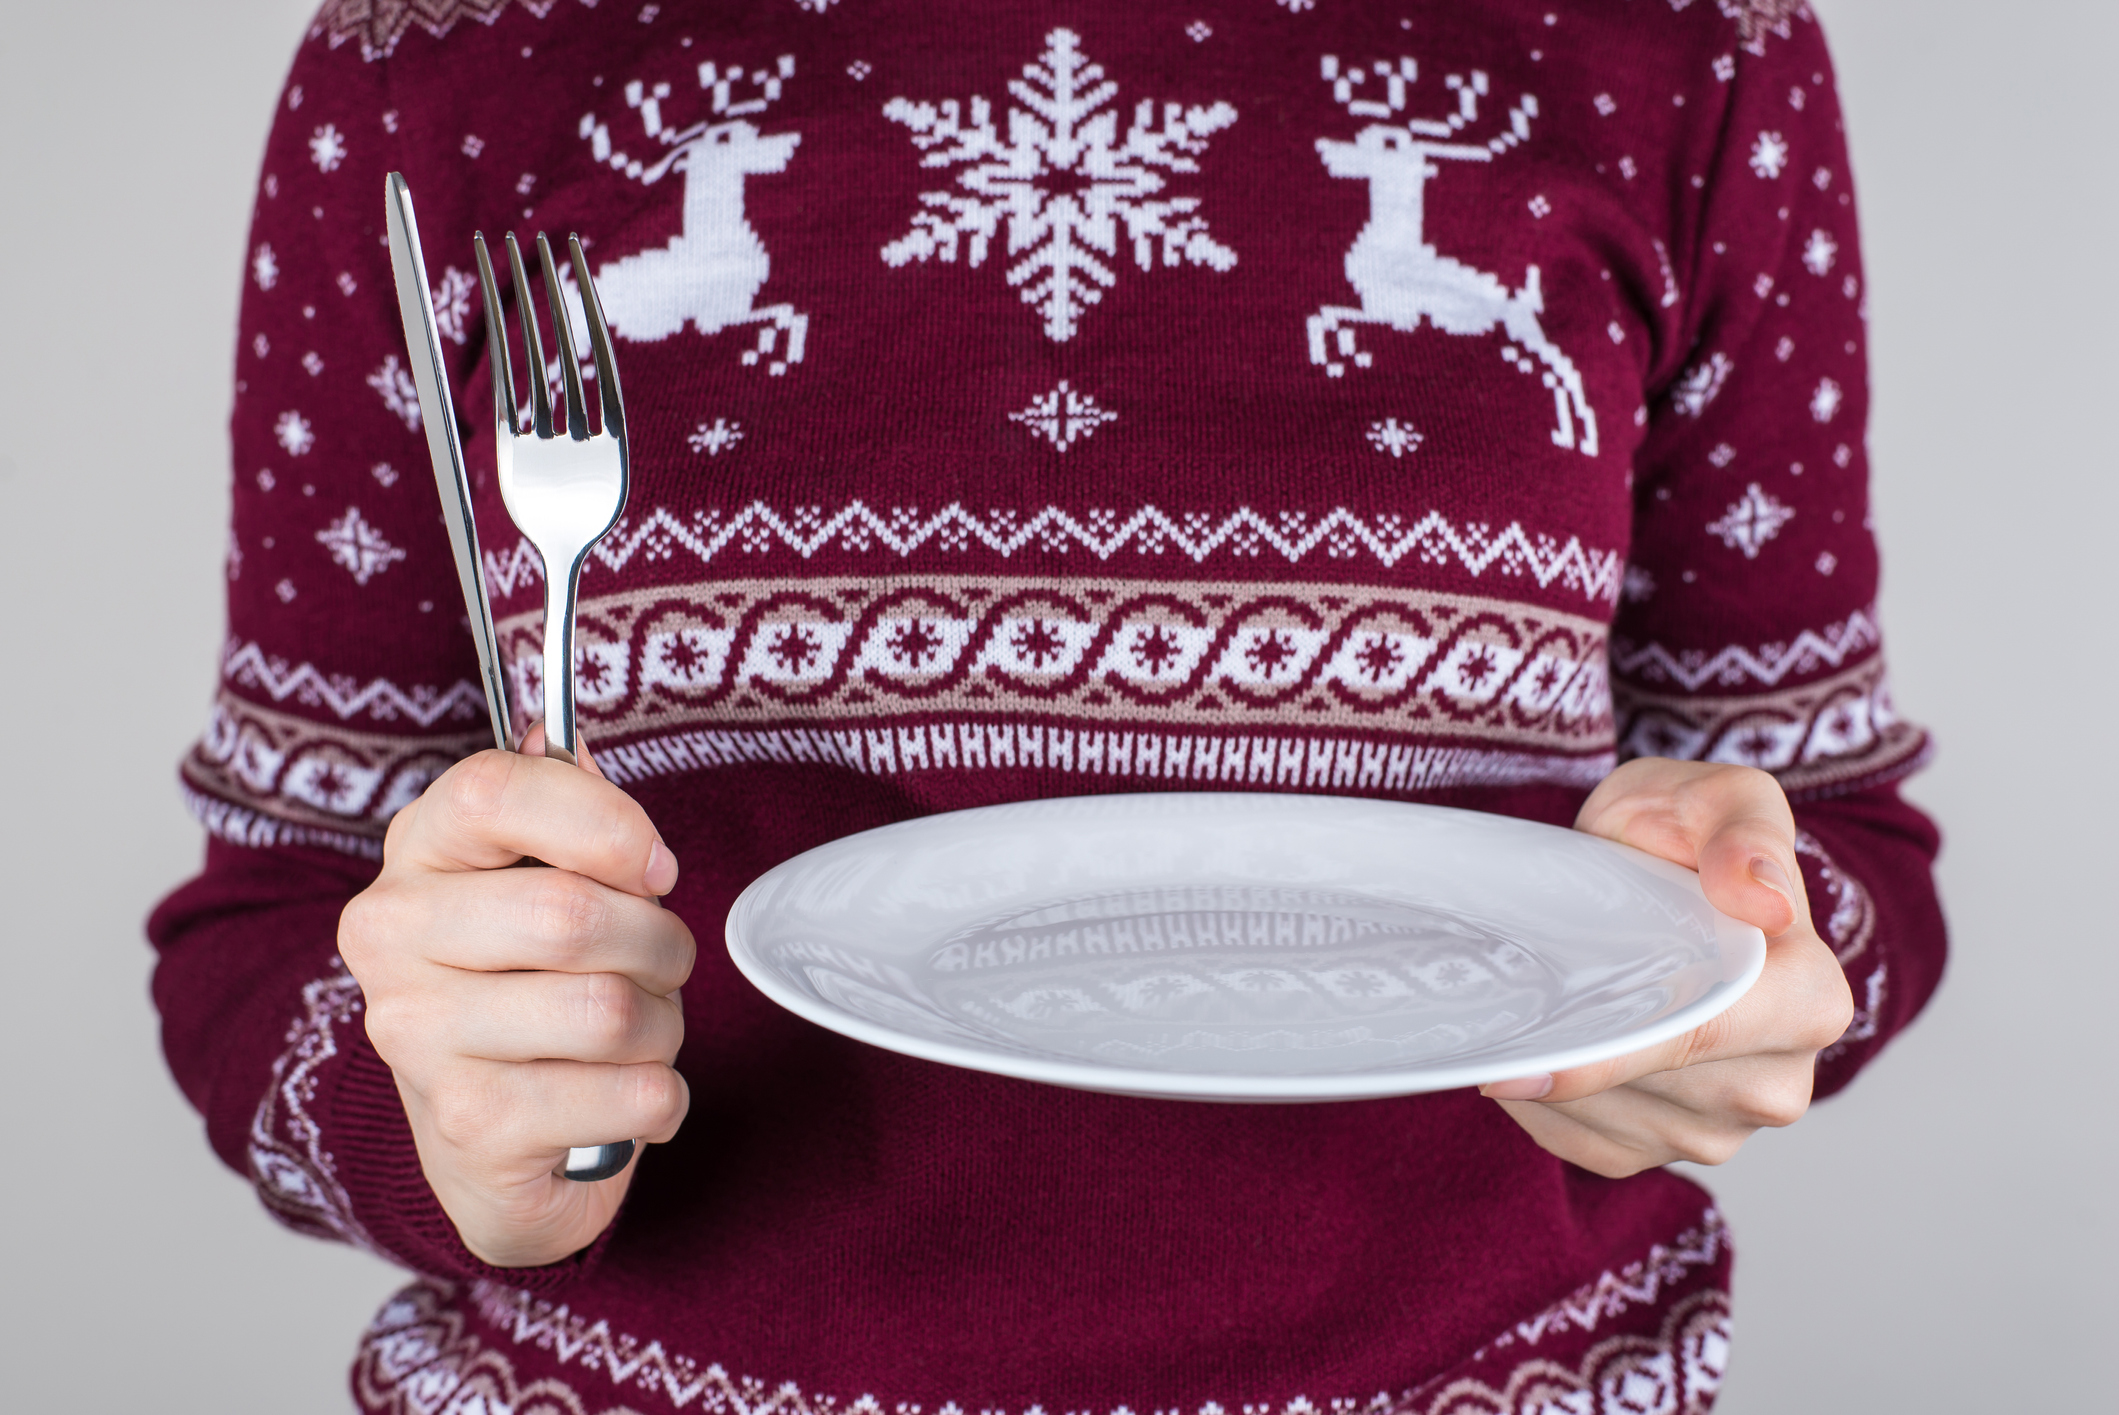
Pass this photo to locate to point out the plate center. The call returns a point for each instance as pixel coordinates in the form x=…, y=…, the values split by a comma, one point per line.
x=1229, y=977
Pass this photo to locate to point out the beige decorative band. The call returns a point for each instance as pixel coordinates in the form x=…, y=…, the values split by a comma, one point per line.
x=1838, y=733
x=1216, y=656
x=318, y=780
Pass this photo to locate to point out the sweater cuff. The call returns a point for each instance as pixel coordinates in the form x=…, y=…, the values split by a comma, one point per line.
x=332, y=1152
x=1866, y=864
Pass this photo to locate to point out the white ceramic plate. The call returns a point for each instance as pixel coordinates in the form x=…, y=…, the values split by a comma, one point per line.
x=1241, y=947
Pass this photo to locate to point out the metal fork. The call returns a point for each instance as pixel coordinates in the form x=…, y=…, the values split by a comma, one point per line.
x=564, y=489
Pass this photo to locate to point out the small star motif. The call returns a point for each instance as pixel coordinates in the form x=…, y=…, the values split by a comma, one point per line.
x=1379, y=658
x=914, y=642
x=1038, y=642
x=327, y=148
x=358, y=546
x=1394, y=437
x=1155, y=649
x=1063, y=416
x=794, y=649
x=1749, y=523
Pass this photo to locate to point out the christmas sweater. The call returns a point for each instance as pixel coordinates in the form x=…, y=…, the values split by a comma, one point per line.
x=1435, y=402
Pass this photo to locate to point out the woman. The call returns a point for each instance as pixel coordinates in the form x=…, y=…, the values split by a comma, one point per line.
x=1436, y=403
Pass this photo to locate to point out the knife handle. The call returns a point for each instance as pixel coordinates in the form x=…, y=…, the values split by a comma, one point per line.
x=589, y=1163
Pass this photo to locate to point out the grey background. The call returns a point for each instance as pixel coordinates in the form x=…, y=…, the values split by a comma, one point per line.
x=1938, y=1240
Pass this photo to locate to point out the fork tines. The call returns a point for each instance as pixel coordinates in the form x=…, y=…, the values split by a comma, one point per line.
x=506, y=409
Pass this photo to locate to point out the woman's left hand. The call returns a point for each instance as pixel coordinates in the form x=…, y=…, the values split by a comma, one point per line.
x=1699, y=1096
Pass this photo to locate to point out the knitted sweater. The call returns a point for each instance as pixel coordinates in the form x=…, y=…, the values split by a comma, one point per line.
x=1436, y=402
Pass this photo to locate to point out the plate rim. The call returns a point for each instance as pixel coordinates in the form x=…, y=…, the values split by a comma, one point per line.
x=1210, y=1086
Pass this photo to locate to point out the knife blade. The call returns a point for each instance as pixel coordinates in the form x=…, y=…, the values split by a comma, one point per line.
x=444, y=447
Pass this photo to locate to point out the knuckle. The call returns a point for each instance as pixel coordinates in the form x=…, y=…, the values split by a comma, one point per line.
x=567, y=911
x=473, y=789
x=660, y=1093
x=1709, y=1146
x=609, y=1010
x=1779, y=1106
x=391, y=1029
x=467, y=1114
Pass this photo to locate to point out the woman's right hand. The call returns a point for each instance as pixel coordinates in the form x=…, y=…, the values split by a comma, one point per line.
x=524, y=1011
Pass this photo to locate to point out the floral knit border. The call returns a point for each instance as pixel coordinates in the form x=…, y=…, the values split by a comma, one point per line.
x=1838, y=733
x=1215, y=655
x=422, y=1355
x=314, y=783
x=1340, y=534
x=295, y=1176
x=1852, y=922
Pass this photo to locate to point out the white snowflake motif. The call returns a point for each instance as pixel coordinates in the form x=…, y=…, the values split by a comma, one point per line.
x=292, y=430
x=1819, y=252
x=1722, y=455
x=1394, y=437
x=1751, y=522
x=716, y=438
x=384, y=473
x=473, y=145
x=1605, y=105
x=1296, y=7
x=1200, y=31
x=399, y=393
x=1826, y=400
x=1540, y=207
x=313, y=362
x=265, y=267
x=859, y=69
x=1783, y=348
x=1063, y=415
x=1725, y=67
x=358, y=546
x=1821, y=178
x=1769, y=155
x=1063, y=180
x=1827, y=562
x=452, y=304
x=285, y=590
x=261, y=346
x=1796, y=99
x=1700, y=384
x=327, y=148
x=1637, y=585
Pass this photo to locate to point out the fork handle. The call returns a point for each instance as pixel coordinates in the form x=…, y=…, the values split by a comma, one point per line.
x=560, y=738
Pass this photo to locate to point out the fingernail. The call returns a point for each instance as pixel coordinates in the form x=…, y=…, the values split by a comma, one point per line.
x=1523, y=1088
x=1767, y=871
x=661, y=875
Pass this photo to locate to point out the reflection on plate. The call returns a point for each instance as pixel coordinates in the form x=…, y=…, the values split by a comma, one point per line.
x=1241, y=947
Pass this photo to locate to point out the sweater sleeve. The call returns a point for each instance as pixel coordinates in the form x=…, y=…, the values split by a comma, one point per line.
x=1747, y=630
x=347, y=679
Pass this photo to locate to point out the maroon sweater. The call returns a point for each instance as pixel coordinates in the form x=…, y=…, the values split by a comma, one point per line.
x=1432, y=401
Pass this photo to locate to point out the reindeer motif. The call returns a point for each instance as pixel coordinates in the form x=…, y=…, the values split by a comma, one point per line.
x=710, y=274
x=1399, y=276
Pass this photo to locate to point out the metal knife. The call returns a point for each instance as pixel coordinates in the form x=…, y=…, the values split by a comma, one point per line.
x=437, y=416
